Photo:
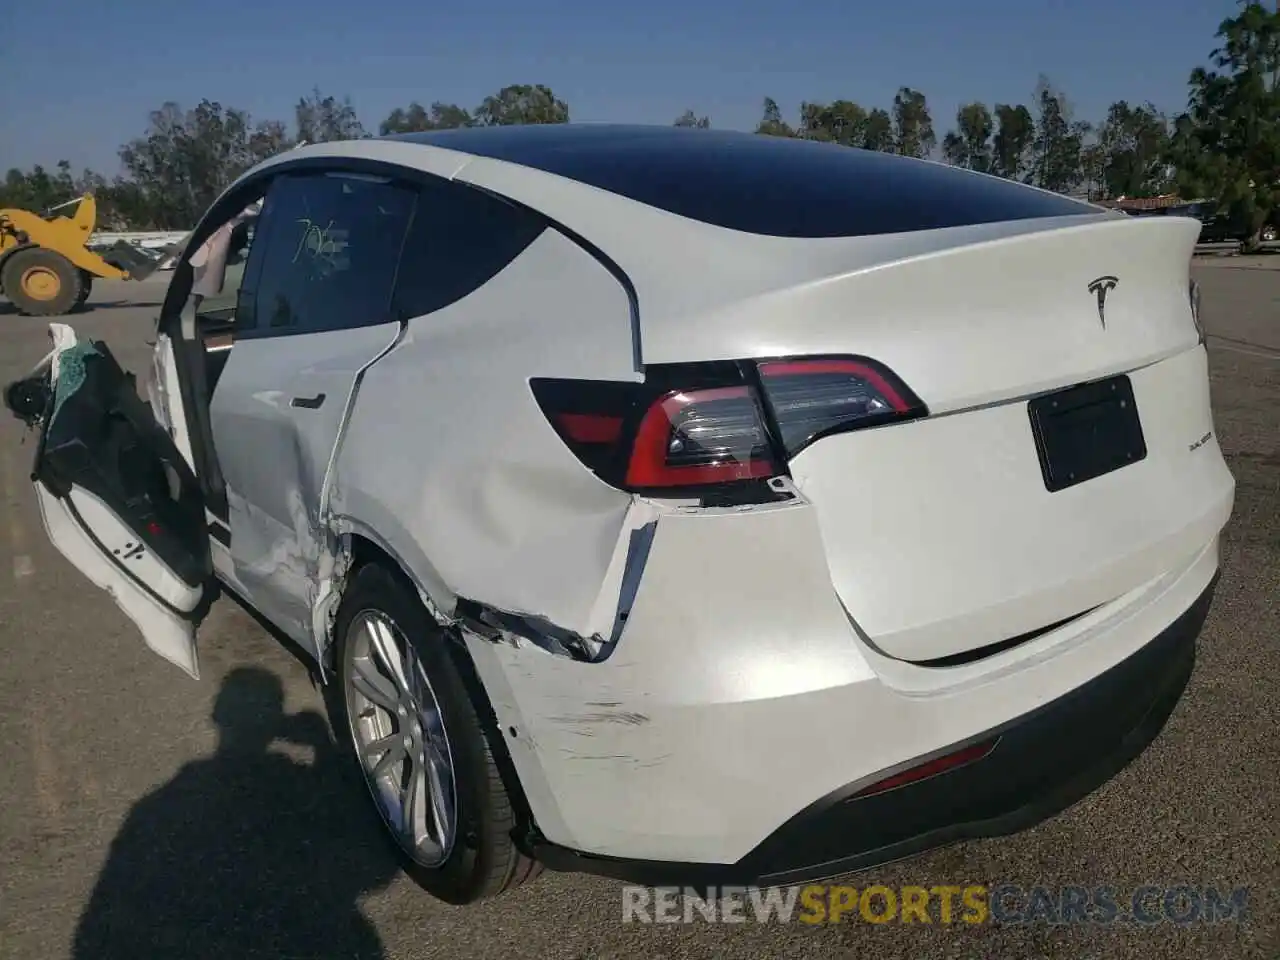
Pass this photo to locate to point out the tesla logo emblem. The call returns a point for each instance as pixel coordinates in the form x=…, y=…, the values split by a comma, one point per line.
x=1102, y=286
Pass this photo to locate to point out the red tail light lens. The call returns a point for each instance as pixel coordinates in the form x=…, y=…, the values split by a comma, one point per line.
x=813, y=398
x=694, y=427
x=699, y=437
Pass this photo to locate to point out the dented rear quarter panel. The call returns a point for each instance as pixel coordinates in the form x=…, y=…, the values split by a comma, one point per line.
x=449, y=459
x=735, y=617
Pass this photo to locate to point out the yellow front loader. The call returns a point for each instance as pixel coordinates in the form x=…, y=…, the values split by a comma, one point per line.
x=45, y=268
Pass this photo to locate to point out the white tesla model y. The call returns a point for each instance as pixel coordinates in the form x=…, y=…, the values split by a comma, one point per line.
x=680, y=505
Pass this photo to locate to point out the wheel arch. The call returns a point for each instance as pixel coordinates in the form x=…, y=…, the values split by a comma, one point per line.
x=365, y=544
x=367, y=547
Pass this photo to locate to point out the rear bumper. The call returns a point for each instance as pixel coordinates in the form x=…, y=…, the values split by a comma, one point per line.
x=1044, y=761
x=741, y=693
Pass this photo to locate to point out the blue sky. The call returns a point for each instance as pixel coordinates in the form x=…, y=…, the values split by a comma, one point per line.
x=623, y=61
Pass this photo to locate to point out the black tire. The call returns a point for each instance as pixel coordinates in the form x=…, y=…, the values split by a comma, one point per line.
x=485, y=860
x=19, y=264
x=86, y=287
x=1268, y=234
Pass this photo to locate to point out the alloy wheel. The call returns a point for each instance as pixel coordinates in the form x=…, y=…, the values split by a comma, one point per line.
x=398, y=731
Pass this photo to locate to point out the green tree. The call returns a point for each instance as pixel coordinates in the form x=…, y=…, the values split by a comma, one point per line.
x=691, y=119
x=880, y=134
x=1133, y=142
x=416, y=118
x=321, y=119
x=1011, y=146
x=268, y=138
x=841, y=121
x=1226, y=146
x=522, y=103
x=186, y=158
x=771, y=123
x=912, y=125
x=1093, y=169
x=969, y=144
x=39, y=190
x=1055, y=161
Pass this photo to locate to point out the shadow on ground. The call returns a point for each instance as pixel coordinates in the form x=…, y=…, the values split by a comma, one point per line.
x=246, y=854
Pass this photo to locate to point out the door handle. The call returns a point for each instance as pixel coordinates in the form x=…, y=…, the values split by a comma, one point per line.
x=308, y=403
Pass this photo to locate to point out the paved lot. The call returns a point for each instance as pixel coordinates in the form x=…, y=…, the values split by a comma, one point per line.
x=112, y=763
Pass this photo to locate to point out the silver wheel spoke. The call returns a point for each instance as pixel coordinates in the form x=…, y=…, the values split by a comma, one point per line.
x=373, y=686
x=419, y=689
x=383, y=644
x=377, y=748
x=440, y=813
x=390, y=759
x=411, y=802
x=432, y=722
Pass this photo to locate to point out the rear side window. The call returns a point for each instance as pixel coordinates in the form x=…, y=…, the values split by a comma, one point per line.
x=330, y=246
x=460, y=239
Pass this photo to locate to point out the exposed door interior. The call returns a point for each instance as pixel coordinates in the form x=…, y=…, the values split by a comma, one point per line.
x=216, y=292
x=116, y=496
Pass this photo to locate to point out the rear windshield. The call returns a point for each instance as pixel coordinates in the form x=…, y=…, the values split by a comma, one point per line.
x=764, y=185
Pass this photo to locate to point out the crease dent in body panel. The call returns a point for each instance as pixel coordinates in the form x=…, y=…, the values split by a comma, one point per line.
x=332, y=546
x=594, y=637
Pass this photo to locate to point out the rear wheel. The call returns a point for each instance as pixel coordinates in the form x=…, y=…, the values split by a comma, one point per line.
x=86, y=287
x=401, y=704
x=41, y=283
x=1269, y=233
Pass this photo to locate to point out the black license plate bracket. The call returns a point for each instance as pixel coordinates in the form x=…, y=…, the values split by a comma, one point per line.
x=1086, y=431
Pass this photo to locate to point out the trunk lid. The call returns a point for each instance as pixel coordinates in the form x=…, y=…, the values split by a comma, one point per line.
x=941, y=534
x=974, y=322
x=942, y=538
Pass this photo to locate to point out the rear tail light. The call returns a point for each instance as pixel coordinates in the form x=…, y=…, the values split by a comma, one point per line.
x=696, y=437
x=814, y=398
x=691, y=428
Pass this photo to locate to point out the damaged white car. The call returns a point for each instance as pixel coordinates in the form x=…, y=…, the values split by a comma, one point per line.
x=682, y=506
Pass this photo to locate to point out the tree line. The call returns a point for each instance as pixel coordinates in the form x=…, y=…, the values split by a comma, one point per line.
x=1224, y=146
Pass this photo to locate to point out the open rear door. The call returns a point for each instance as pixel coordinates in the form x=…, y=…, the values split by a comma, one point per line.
x=116, y=496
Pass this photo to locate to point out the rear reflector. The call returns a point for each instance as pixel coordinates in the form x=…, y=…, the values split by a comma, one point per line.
x=694, y=427
x=589, y=427
x=930, y=768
